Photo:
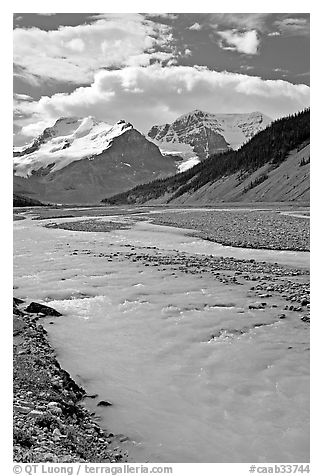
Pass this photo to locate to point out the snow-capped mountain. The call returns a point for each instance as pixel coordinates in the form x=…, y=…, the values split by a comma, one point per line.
x=82, y=160
x=205, y=134
x=68, y=140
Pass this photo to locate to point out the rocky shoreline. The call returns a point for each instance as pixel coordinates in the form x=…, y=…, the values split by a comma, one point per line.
x=50, y=423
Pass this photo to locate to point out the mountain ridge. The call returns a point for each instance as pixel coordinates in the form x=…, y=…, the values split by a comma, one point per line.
x=269, y=148
x=80, y=160
x=209, y=133
x=69, y=139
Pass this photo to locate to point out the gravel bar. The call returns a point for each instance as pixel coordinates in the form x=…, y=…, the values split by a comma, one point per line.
x=247, y=229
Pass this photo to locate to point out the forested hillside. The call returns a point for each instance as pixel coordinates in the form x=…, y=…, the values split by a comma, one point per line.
x=269, y=147
x=21, y=201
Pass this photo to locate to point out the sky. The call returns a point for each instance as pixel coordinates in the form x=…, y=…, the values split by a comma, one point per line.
x=150, y=68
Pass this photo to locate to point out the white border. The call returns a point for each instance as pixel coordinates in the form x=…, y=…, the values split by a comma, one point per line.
x=61, y=6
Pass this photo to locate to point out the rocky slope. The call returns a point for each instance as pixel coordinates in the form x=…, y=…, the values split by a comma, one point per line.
x=82, y=161
x=205, y=134
x=272, y=166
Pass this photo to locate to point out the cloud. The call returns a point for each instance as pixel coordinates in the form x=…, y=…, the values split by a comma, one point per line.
x=240, y=21
x=274, y=33
x=196, y=26
x=35, y=129
x=293, y=26
x=23, y=97
x=246, y=42
x=22, y=74
x=76, y=45
x=154, y=95
x=246, y=67
x=167, y=16
x=75, y=53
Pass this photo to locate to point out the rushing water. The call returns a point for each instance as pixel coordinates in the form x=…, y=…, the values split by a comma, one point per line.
x=142, y=338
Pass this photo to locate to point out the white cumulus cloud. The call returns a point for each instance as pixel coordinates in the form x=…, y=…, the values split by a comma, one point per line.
x=75, y=53
x=35, y=129
x=154, y=95
x=243, y=42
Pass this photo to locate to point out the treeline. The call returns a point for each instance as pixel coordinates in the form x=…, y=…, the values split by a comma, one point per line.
x=271, y=145
x=22, y=201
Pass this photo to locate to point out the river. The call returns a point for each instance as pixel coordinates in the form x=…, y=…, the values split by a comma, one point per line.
x=141, y=337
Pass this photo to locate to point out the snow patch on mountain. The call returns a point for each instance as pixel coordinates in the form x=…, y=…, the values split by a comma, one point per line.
x=237, y=128
x=188, y=164
x=178, y=149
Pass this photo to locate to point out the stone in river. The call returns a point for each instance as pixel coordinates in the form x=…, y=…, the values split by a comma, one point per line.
x=257, y=305
x=35, y=307
x=305, y=318
x=104, y=403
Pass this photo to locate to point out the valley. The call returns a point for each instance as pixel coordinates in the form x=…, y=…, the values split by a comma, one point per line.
x=83, y=161
x=179, y=263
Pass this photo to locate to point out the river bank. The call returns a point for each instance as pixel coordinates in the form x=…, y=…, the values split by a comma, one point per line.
x=50, y=423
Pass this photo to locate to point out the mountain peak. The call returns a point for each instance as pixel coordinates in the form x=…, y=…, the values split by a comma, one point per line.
x=208, y=133
x=68, y=140
x=197, y=112
x=200, y=113
x=123, y=124
x=82, y=160
x=67, y=120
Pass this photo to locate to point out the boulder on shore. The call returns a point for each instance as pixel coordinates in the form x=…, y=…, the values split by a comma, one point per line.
x=104, y=403
x=35, y=307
